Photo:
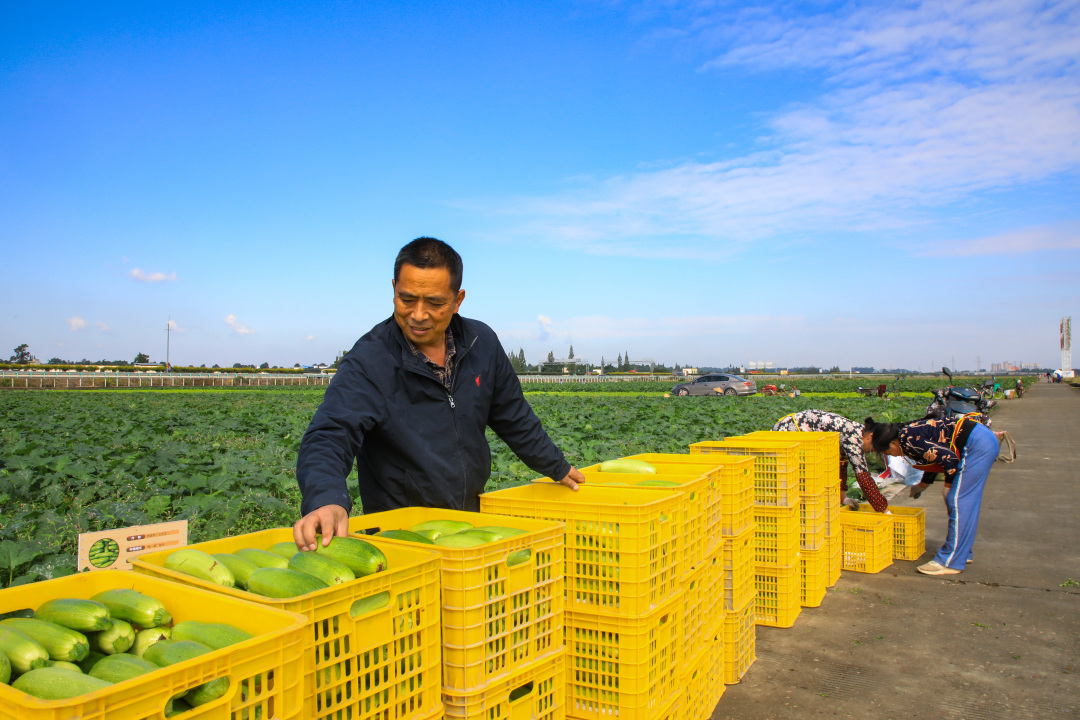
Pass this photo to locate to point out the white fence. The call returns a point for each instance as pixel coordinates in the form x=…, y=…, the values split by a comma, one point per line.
x=101, y=379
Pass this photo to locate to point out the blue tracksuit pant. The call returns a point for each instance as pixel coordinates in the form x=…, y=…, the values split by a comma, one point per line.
x=964, y=498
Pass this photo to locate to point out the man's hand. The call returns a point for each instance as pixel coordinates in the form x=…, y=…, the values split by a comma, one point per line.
x=331, y=520
x=851, y=503
x=916, y=490
x=573, y=478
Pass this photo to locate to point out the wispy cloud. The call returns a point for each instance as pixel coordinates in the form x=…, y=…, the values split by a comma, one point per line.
x=156, y=277
x=545, y=326
x=309, y=338
x=1046, y=237
x=76, y=323
x=173, y=327
x=921, y=106
x=236, y=325
x=102, y=326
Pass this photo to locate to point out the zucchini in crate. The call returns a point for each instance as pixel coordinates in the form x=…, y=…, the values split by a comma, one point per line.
x=146, y=638
x=51, y=683
x=360, y=556
x=23, y=651
x=117, y=638
x=121, y=667
x=213, y=635
x=241, y=568
x=263, y=558
x=323, y=567
x=75, y=613
x=60, y=642
x=169, y=652
x=5, y=669
x=135, y=607
x=199, y=564
x=283, y=583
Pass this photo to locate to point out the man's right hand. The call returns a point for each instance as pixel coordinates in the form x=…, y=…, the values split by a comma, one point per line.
x=329, y=520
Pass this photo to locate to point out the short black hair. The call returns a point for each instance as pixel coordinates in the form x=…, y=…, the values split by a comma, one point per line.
x=881, y=434
x=428, y=252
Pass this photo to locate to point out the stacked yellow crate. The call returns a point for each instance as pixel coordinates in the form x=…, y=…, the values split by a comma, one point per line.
x=730, y=539
x=819, y=454
x=623, y=607
x=502, y=616
x=776, y=523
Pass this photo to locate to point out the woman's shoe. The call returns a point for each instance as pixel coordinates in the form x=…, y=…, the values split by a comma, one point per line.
x=935, y=568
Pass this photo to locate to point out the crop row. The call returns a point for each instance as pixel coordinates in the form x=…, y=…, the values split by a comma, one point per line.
x=75, y=462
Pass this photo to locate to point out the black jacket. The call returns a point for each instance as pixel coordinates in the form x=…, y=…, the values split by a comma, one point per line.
x=415, y=443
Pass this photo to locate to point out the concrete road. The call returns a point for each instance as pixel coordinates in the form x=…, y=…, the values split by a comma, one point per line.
x=999, y=641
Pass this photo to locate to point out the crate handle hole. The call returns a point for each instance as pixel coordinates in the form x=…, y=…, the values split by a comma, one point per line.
x=370, y=603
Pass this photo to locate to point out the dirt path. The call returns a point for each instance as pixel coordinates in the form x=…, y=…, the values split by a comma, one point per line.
x=1000, y=641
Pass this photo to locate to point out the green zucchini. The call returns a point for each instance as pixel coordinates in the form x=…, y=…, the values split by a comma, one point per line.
x=406, y=535
x=241, y=568
x=323, y=567
x=5, y=669
x=283, y=583
x=65, y=665
x=213, y=635
x=135, y=607
x=169, y=652
x=263, y=558
x=118, y=638
x=121, y=667
x=75, y=614
x=88, y=662
x=145, y=638
x=285, y=549
x=360, y=556
x=24, y=652
x=60, y=642
x=51, y=683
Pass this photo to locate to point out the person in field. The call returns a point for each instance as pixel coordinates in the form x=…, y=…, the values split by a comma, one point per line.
x=409, y=406
x=963, y=451
x=851, y=451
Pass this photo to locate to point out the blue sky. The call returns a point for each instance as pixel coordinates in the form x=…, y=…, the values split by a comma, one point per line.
x=703, y=183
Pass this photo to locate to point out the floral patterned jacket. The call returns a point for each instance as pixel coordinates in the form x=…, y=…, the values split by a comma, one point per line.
x=851, y=448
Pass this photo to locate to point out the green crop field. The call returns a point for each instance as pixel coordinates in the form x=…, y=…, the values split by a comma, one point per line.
x=82, y=461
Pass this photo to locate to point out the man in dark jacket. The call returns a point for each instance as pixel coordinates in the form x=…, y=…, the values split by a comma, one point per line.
x=410, y=404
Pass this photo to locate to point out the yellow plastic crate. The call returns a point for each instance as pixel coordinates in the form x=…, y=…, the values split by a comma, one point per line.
x=868, y=540
x=835, y=543
x=740, y=642
x=702, y=683
x=832, y=514
x=813, y=519
x=776, y=466
x=778, y=590
x=496, y=619
x=738, y=571
x=819, y=454
x=266, y=672
x=694, y=488
x=622, y=666
x=671, y=711
x=813, y=576
x=736, y=507
x=909, y=530
x=534, y=692
x=701, y=603
x=776, y=535
x=621, y=547
x=382, y=664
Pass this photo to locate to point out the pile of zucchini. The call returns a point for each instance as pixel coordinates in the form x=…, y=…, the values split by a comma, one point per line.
x=281, y=571
x=73, y=646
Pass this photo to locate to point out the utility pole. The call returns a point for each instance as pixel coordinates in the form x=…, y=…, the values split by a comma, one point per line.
x=168, y=339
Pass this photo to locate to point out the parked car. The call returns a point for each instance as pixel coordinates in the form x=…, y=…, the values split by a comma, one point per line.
x=716, y=384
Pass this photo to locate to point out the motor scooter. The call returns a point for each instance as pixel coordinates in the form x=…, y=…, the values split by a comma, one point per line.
x=951, y=401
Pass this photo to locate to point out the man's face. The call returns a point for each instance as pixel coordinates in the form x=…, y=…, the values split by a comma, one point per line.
x=424, y=303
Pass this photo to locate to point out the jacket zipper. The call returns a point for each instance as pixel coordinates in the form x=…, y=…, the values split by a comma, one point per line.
x=422, y=371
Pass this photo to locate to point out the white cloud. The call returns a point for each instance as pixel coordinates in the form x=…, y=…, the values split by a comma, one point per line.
x=309, y=338
x=922, y=106
x=235, y=324
x=103, y=327
x=173, y=327
x=156, y=277
x=1018, y=242
x=76, y=323
x=545, y=326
